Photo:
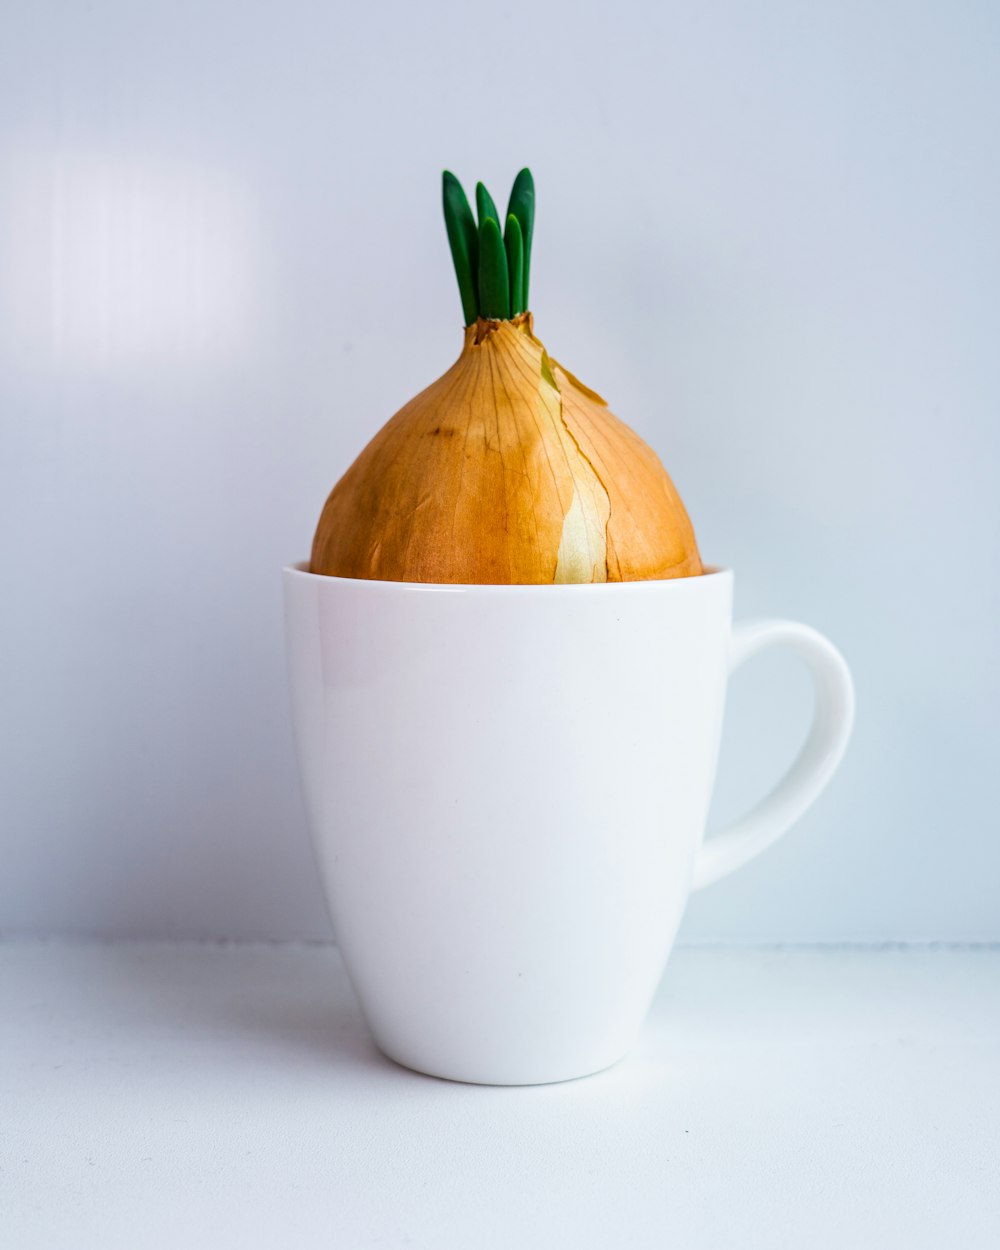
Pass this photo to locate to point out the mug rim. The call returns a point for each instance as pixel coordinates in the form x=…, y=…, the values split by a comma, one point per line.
x=712, y=573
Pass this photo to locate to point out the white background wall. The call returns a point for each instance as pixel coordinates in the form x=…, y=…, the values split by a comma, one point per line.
x=767, y=232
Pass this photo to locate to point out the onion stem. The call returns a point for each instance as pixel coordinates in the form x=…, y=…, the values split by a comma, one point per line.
x=522, y=206
x=484, y=205
x=464, y=243
x=514, y=245
x=493, y=285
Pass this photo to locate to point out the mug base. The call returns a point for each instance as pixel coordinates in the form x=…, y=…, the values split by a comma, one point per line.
x=515, y=1075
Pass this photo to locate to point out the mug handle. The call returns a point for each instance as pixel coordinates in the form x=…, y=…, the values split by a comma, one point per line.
x=817, y=761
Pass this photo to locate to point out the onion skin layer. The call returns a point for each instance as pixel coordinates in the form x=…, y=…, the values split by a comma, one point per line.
x=505, y=471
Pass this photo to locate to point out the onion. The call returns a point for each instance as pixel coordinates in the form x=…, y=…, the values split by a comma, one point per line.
x=506, y=470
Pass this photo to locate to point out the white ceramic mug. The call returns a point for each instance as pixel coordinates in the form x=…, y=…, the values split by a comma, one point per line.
x=507, y=788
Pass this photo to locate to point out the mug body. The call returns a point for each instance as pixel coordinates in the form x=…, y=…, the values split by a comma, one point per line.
x=507, y=787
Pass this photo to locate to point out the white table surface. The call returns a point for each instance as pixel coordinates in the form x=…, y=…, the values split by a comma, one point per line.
x=189, y=1096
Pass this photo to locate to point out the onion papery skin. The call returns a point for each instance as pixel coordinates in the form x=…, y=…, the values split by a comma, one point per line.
x=505, y=471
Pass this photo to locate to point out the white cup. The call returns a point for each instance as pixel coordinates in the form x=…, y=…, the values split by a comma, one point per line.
x=507, y=789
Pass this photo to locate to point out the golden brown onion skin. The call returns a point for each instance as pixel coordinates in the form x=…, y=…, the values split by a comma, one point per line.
x=505, y=471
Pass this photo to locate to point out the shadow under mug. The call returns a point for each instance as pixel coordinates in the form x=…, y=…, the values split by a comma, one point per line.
x=507, y=789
